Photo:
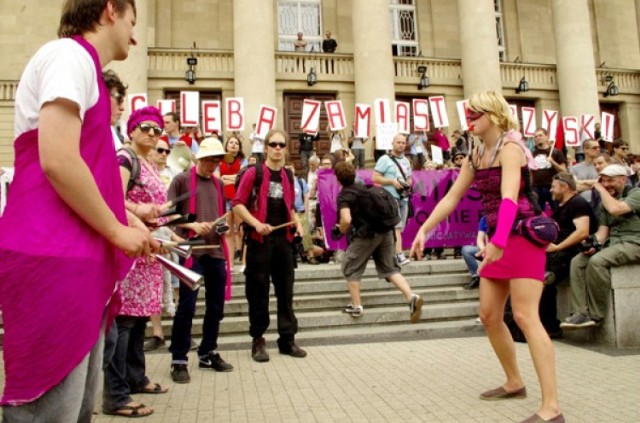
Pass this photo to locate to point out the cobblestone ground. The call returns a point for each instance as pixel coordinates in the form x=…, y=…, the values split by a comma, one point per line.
x=416, y=381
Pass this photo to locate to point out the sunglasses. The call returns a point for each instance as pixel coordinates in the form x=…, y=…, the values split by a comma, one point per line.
x=474, y=114
x=274, y=144
x=119, y=98
x=146, y=128
x=567, y=179
x=163, y=150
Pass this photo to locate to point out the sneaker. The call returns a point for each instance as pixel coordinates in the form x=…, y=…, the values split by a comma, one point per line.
x=402, y=260
x=549, y=278
x=259, y=350
x=351, y=308
x=180, y=373
x=415, y=307
x=578, y=321
x=354, y=311
x=474, y=283
x=153, y=344
x=215, y=362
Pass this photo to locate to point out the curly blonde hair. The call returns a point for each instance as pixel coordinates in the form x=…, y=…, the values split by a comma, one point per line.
x=496, y=108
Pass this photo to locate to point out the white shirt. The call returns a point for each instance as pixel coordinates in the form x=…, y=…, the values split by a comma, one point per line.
x=59, y=69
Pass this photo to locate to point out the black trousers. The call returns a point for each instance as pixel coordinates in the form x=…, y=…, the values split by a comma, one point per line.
x=559, y=264
x=271, y=261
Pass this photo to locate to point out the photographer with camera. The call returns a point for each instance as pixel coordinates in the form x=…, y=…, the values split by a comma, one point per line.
x=393, y=172
x=619, y=226
x=576, y=220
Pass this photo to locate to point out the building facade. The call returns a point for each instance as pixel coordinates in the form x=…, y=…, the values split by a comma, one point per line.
x=568, y=51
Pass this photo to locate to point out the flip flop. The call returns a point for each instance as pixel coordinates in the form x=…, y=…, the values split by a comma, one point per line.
x=134, y=411
x=157, y=389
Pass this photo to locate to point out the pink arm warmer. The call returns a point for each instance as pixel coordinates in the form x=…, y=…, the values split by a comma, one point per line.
x=506, y=217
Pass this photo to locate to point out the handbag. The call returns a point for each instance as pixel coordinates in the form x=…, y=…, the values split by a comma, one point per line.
x=540, y=230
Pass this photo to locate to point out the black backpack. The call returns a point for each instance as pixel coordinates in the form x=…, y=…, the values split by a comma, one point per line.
x=377, y=209
x=135, y=166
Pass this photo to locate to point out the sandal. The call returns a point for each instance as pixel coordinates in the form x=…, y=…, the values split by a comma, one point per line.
x=132, y=411
x=155, y=389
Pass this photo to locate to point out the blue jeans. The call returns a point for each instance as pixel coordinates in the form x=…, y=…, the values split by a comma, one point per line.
x=215, y=278
x=544, y=197
x=124, y=365
x=469, y=255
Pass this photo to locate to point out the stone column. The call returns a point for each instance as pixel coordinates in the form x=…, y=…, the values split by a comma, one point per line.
x=373, y=62
x=479, y=46
x=574, y=56
x=253, y=57
x=638, y=17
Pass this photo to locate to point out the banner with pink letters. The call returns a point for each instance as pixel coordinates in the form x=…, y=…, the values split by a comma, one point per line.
x=429, y=187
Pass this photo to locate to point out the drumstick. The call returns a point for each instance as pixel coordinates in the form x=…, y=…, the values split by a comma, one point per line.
x=180, y=243
x=204, y=247
x=284, y=225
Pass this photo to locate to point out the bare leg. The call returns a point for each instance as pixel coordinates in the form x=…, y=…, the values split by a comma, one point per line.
x=493, y=296
x=525, y=297
x=156, y=324
x=398, y=241
x=401, y=283
x=354, y=292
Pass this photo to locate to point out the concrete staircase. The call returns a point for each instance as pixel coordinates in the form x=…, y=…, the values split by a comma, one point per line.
x=321, y=295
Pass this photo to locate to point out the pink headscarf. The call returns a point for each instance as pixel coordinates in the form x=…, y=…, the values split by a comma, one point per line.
x=146, y=113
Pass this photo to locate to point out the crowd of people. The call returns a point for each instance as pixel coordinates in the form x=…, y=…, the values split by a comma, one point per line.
x=111, y=207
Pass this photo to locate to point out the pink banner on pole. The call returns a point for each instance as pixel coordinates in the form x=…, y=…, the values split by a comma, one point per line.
x=429, y=187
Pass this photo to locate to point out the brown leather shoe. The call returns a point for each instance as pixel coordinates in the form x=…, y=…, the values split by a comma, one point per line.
x=259, y=350
x=294, y=351
x=537, y=419
x=502, y=394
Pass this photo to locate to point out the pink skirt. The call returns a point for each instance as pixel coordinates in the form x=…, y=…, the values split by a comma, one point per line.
x=521, y=259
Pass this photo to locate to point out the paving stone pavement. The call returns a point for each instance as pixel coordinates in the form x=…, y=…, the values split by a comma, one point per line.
x=425, y=380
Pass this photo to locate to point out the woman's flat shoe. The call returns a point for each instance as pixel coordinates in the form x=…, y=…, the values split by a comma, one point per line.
x=537, y=419
x=502, y=394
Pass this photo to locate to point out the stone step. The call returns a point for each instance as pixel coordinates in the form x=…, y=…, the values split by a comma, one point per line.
x=321, y=295
x=329, y=319
x=371, y=296
x=357, y=334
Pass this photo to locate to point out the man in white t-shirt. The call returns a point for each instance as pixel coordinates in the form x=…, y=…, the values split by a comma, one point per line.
x=65, y=229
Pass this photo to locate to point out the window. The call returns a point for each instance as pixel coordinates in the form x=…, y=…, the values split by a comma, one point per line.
x=403, y=27
x=299, y=16
x=502, y=51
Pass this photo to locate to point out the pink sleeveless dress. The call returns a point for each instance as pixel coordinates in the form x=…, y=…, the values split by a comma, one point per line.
x=57, y=275
x=521, y=258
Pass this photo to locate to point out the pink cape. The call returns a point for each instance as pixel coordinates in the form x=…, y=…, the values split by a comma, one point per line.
x=57, y=275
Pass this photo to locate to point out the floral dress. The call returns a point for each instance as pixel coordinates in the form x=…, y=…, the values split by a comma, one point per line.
x=142, y=288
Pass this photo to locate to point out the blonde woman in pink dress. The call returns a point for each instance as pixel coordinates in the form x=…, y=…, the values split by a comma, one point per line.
x=512, y=265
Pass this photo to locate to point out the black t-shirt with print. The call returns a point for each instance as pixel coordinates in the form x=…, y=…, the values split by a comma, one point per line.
x=276, y=206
